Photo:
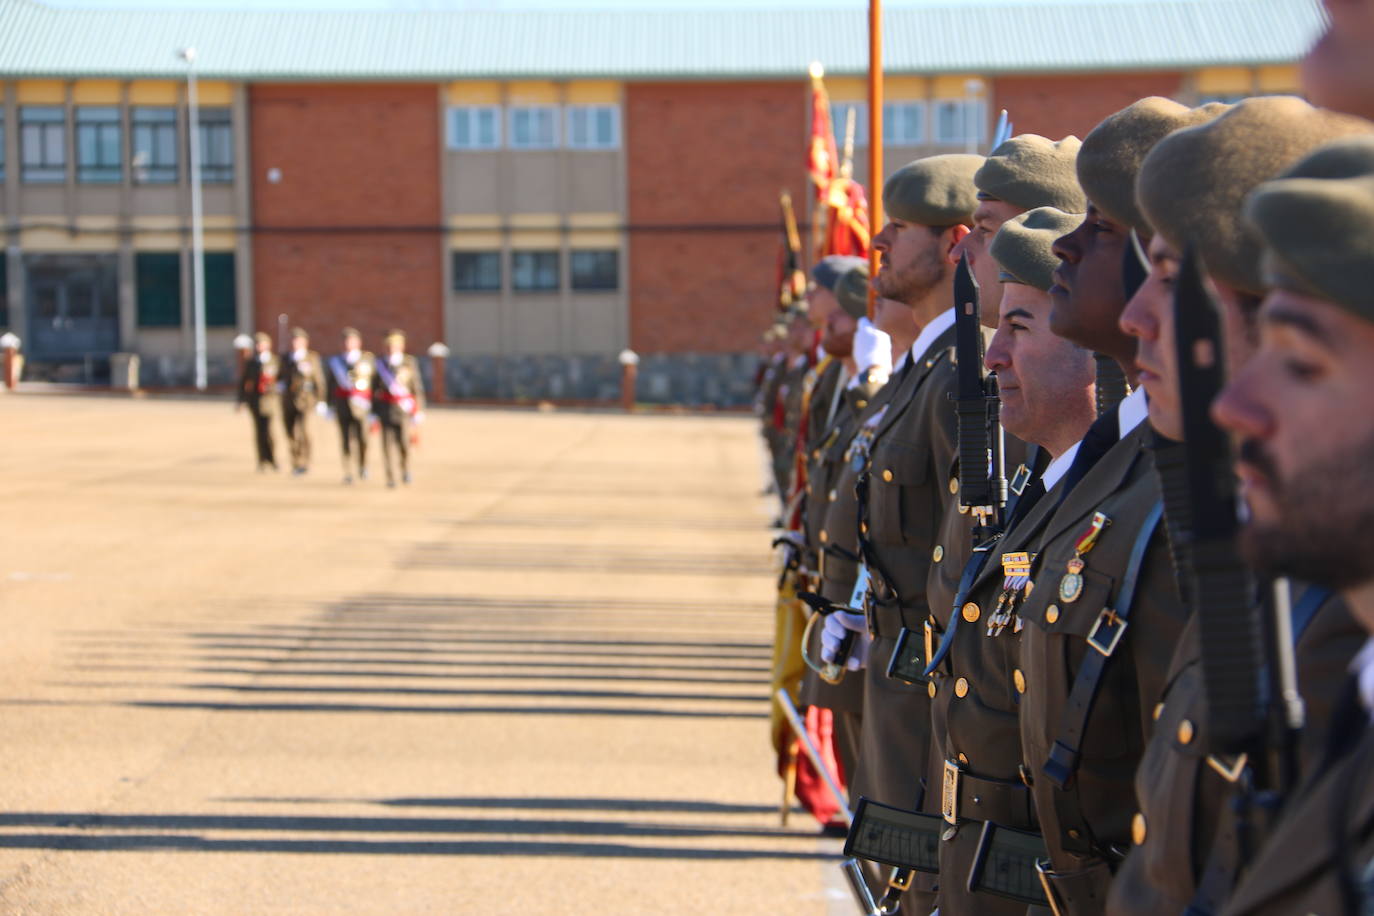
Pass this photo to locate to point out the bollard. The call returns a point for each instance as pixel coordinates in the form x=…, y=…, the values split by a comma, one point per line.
x=438, y=353
x=244, y=345
x=10, y=343
x=629, y=372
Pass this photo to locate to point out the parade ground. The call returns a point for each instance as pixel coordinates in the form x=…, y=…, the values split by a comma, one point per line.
x=535, y=681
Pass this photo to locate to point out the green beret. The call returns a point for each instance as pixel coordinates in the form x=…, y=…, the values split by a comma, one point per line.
x=935, y=191
x=1192, y=184
x=349, y=332
x=1022, y=247
x=1112, y=153
x=829, y=269
x=299, y=332
x=852, y=291
x=1032, y=171
x=1317, y=226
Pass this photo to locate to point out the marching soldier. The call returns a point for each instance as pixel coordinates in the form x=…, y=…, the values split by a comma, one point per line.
x=303, y=383
x=1301, y=447
x=399, y=403
x=930, y=204
x=1191, y=188
x=353, y=375
x=1103, y=615
x=1047, y=393
x=258, y=390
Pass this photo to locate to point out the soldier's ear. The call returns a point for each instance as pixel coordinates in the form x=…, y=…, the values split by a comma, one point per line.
x=953, y=236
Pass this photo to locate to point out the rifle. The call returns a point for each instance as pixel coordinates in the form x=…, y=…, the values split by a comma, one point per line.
x=982, y=468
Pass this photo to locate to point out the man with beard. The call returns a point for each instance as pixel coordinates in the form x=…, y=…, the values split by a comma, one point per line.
x=900, y=501
x=1302, y=453
x=1091, y=677
x=1047, y=393
x=1191, y=188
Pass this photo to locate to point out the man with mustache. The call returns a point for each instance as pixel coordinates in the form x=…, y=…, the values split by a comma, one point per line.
x=1191, y=188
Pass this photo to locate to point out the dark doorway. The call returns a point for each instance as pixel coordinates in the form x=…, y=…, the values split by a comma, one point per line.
x=73, y=306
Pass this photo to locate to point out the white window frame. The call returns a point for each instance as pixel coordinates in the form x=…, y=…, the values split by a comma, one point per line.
x=591, y=142
x=513, y=139
x=915, y=112
x=470, y=113
x=977, y=108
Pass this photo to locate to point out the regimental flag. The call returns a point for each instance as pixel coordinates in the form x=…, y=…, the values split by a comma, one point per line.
x=791, y=277
x=822, y=161
x=846, y=219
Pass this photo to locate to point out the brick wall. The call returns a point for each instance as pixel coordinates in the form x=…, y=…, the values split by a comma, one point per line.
x=361, y=161
x=1054, y=106
x=708, y=155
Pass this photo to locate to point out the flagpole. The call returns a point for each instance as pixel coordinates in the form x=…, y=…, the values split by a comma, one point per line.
x=875, y=133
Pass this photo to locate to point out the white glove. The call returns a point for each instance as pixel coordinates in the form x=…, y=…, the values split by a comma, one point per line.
x=872, y=349
x=322, y=408
x=838, y=625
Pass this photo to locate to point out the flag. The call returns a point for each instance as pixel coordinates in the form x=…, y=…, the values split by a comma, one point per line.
x=846, y=219
x=822, y=160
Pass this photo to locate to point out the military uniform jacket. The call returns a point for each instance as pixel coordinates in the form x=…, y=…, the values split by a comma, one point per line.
x=304, y=381
x=258, y=385
x=1087, y=824
x=351, y=386
x=1324, y=840
x=975, y=715
x=1184, y=798
x=399, y=393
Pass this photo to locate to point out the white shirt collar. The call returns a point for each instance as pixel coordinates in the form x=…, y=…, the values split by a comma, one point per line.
x=820, y=353
x=1362, y=666
x=937, y=326
x=1059, y=467
x=352, y=356
x=1133, y=411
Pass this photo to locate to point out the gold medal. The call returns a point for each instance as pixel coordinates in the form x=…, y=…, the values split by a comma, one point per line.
x=1071, y=586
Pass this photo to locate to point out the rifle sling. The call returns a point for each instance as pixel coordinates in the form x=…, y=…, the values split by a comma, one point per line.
x=1064, y=757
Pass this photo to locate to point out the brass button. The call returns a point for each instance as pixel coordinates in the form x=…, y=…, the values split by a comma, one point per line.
x=808, y=488
x=963, y=760
x=1138, y=829
x=1185, y=732
x=954, y=485
x=963, y=510
x=825, y=535
x=816, y=455
x=1019, y=680
x=1052, y=613
x=961, y=687
x=861, y=403
x=1074, y=834
x=887, y=476
x=1159, y=711
x=938, y=553
x=930, y=689
x=971, y=612
x=863, y=527
x=834, y=496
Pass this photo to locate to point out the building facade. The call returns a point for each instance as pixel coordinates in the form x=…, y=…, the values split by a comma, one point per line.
x=537, y=217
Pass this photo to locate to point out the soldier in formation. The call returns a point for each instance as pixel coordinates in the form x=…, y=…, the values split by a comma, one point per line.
x=303, y=388
x=1101, y=692
x=399, y=403
x=258, y=392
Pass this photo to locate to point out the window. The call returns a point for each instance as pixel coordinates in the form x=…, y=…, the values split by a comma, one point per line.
x=474, y=127
x=534, y=271
x=221, y=299
x=533, y=126
x=99, y=145
x=904, y=123
x=43, y=143
x=839, y=119
x=216, y=145
x=959, y=121
x=155, y=145
x=595, y=269
x=157, y=276
x=477, y=271
x=593, y=126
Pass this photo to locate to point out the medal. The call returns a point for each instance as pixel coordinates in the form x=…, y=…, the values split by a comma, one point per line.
x=1016, y=569
x=1071, y=586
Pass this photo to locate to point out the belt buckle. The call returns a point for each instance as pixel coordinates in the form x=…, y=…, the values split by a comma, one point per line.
x=949, y=796
x=1042, y=871
x=1105, y=643
x=901, y=879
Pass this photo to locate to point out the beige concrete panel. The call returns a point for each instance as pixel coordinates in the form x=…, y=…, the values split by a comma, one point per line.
x=153, y=92
x=154, y=200
x=213, y=92
x=533, y=323
x=594, y=180
x=473, y=92
x=956, y=87
x=850, y=88
x=593, y=92
x=98, y=199
x=46, y=201
x=60, y=240
x=218, y=198
x=595, y=238
x=476, y=240
x=473, y=182
x=1279, y=79
x=96, y=92
x=1224, y=80
x=533, y=181
x=40, y=92
x=475, y=325
x=595, y=324
x=533, y=92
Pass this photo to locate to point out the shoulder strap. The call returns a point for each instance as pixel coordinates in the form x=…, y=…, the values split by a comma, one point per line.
x=1104, y=638
x=1306, y=609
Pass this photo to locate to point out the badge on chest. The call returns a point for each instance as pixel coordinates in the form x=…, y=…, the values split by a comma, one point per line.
x=1071, y=586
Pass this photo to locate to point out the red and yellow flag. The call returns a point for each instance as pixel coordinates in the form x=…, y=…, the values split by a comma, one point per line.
x=822, y=160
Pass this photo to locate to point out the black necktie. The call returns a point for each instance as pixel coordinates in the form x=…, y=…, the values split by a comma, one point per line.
x=1102, y=435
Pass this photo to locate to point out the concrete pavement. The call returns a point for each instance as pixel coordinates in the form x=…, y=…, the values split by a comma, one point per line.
x=535, y=681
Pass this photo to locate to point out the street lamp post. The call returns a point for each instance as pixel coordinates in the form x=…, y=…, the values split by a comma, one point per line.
x=197, y=221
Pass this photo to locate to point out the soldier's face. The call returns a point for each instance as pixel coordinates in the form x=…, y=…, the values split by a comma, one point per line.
x=353, y=342
x=1338, y=72
x=1304, y=442
x=987, y=219
x=299, y=343
x=1045, y=381
x=1088, y=292
x=262, y=346
x=913, y=259
x=838, y=338
x=820, y=302
x=800, y=335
